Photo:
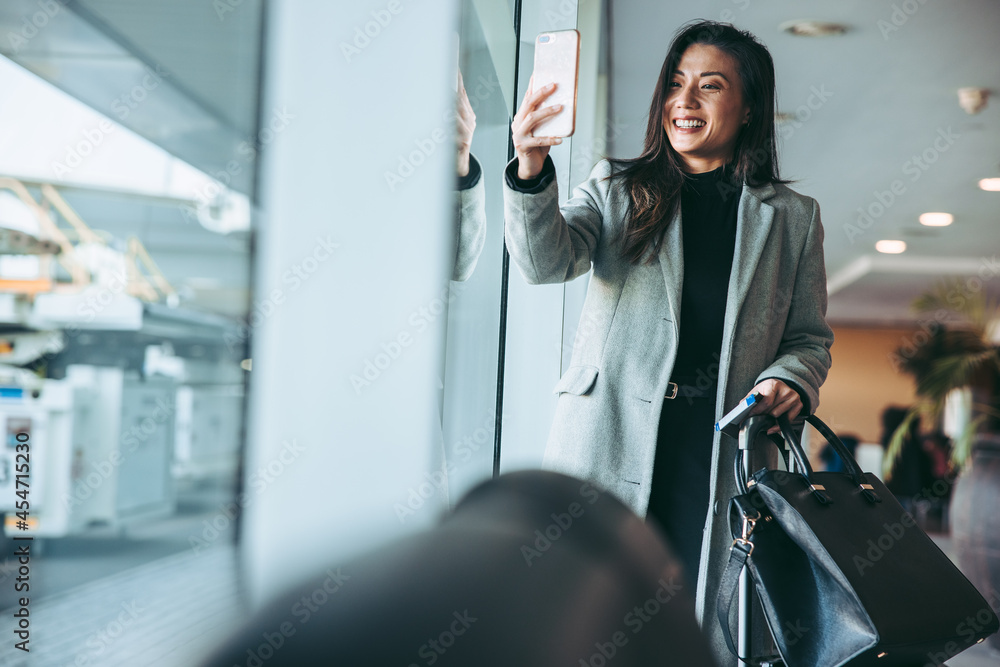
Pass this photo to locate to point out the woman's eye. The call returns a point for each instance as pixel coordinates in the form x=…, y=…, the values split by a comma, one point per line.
x=674, y=84
x=711, y=86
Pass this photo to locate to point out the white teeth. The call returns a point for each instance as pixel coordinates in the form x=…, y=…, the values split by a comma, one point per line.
x=689, y=123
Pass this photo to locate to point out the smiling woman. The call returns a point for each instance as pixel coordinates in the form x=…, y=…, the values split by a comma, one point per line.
x=705, y=111
x=708, y=284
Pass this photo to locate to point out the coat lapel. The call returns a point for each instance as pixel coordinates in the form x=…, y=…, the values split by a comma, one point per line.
x=753, y=225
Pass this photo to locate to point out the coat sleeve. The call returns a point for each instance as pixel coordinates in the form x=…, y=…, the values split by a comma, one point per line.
x=549, y=243
x=470, y=233
x=803, y=357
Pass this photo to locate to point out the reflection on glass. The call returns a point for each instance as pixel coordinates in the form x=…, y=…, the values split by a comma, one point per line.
x=486, y=61
x=470, y=236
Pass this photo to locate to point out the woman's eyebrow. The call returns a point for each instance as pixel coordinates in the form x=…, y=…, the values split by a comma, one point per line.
x=720, y=74
x=704, y=74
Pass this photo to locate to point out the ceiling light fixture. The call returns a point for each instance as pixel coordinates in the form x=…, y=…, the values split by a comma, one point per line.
x=890, y=247
x=803, y=28
x=973, y=100
x=990, y=184
x=933, y=219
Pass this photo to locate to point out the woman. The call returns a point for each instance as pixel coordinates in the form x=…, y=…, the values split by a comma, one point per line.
x=708, y=284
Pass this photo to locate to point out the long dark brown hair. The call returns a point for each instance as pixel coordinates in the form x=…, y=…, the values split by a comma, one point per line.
x=654, y=179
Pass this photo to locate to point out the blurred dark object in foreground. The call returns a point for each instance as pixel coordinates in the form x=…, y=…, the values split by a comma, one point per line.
x=533, y=568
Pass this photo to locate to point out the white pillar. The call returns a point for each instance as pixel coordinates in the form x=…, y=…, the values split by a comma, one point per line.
x=352, y=258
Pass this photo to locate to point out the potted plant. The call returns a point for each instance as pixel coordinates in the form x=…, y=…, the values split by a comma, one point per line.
x=958, y=362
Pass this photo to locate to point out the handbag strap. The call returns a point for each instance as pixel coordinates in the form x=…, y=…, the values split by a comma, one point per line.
x=728, y=586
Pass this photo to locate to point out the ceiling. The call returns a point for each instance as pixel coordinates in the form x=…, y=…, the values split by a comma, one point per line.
x=863, y=105
x=178, y=72
x=867, y=102
x=183, y=74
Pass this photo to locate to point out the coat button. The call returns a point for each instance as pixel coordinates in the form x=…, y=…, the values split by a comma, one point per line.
x=715, y=508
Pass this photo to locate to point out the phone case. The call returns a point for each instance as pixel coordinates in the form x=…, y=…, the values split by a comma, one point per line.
x=557, y=60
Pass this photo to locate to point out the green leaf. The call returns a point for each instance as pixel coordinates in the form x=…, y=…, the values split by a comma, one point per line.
x=961, y=451
x=952, y=371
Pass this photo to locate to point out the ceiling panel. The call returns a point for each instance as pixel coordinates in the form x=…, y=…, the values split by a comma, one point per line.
x=174, y=71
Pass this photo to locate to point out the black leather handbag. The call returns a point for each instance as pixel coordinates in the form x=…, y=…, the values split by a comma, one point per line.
x=843, y=573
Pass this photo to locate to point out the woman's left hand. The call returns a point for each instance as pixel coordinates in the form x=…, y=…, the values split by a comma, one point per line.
x=465, y=127
x=776, y=399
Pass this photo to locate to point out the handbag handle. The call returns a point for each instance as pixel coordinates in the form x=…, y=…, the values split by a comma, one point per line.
x=754, y=426
x=853, y=469
x=851, y=463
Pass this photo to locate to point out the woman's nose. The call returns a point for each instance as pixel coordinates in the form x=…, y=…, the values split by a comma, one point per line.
x=685, y=98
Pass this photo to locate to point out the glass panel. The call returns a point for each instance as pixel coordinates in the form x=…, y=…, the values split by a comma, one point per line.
x=535, y=332
x=486, y=60
x=125, y=312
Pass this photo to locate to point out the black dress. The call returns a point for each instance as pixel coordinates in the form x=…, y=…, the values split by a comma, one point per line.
x=682, y=470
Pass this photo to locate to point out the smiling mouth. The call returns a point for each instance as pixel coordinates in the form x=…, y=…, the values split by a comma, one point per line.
x=687, y=124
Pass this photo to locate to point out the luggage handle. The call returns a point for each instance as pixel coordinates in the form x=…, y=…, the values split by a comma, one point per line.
x=749, y=431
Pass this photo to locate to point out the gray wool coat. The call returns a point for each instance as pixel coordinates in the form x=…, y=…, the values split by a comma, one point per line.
x=610, y=397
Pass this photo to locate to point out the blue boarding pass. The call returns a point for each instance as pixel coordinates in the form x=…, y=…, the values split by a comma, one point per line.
x=730, y=424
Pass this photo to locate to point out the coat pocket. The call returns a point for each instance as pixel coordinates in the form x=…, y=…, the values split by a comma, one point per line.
x=577, y=380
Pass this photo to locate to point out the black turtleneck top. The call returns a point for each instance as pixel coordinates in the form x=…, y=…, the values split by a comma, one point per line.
x=708, y=223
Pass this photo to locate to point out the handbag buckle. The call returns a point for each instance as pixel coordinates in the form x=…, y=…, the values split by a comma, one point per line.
x=744, y=539
x=748, y=525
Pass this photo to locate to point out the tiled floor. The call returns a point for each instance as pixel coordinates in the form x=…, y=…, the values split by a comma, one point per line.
x=168, y=613
x=977, y=656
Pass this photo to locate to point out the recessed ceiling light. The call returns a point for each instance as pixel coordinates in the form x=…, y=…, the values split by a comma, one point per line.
x=890, y=247
x=936, y=219
x=990, y=184
x=803, y=28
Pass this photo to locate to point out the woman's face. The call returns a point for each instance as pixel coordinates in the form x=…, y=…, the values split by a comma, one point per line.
x=704, y=111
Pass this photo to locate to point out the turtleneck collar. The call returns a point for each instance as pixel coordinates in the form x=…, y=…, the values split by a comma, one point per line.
x=706, y=183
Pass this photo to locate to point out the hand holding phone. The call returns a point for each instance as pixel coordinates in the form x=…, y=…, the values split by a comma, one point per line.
x=557, y=60
x=557, y=57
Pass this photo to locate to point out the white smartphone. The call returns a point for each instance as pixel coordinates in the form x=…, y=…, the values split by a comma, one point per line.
x=557, y=60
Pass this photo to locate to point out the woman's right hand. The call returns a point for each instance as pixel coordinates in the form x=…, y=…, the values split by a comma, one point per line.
x=531, y=150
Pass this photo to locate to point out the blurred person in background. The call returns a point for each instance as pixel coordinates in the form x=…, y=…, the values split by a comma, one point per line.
x=912, y=475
